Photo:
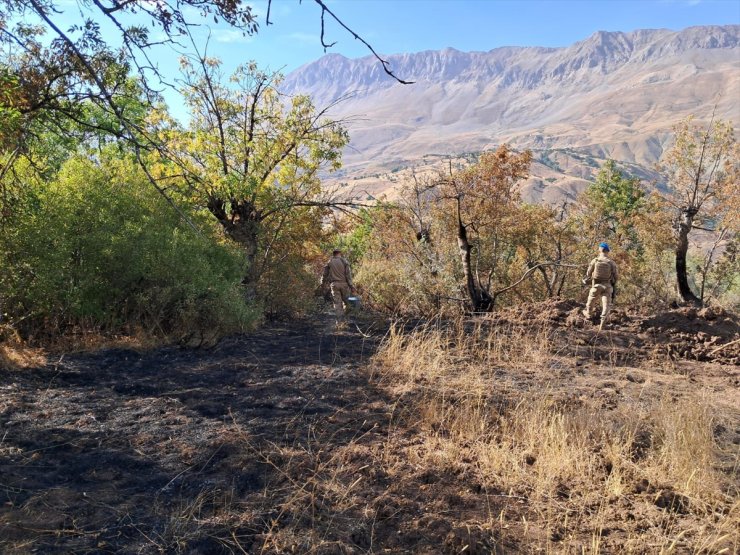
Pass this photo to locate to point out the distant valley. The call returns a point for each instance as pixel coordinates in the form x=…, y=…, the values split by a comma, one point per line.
x=613, y=95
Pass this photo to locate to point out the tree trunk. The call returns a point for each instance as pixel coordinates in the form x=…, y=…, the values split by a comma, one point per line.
x=479, y=298
x=549, y=281
x=685, y=222
x=249, y=241
x=243, y=227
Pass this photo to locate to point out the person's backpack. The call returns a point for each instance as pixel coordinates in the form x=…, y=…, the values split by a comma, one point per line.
x=602, y=270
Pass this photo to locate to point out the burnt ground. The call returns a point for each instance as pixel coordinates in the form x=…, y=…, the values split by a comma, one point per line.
x=126, y=452
x=278, y=442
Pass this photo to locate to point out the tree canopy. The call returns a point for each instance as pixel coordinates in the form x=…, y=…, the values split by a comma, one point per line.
x=701, y=169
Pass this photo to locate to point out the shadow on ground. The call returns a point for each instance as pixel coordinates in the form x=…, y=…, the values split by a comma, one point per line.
x=282, y=441
x=174, y=450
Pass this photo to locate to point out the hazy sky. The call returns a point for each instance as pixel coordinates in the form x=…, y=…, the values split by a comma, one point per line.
x=393, y=26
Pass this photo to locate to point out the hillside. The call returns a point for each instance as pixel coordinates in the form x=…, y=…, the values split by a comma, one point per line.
x=612, y=95
x=528, y=431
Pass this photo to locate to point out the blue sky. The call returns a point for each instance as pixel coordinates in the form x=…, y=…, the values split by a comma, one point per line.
x=393, y=26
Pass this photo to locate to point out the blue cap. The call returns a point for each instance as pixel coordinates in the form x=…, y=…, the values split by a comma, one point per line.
x=604, y=246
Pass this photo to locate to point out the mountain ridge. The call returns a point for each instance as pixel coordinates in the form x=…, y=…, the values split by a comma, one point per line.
x=613, y=94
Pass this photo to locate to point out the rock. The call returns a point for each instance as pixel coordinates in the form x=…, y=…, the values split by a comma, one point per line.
x=643, y=486
x=557, y=534
x=361, y=537
x=641, y=443
x=467, y=539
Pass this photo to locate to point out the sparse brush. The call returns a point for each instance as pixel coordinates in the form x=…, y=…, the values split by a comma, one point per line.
x=684, y=451
x=463, y=384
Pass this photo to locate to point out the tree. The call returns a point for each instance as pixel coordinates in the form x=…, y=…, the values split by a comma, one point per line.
x=74, y=64
x=700, y=170
x=615, y=208
x=74, y=82
x=546, y=241
x=99, y=249
x=46, y=70
x=615, y=199
x=481, y=200
x=251, y=157
x=467, y=232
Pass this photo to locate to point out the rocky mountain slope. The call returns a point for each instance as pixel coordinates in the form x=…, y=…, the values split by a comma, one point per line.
x=613, y=95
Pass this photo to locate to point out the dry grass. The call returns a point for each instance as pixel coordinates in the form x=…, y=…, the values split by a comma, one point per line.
x=313, y=494
x=15, y=354
x=472, y=437
x=645, y=470
x=93, y=340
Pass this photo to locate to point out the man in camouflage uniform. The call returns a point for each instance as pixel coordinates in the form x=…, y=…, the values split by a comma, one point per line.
x=603, y=275
x=338, y=277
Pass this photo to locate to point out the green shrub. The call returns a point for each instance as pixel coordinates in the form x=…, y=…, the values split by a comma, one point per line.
x=99, y=248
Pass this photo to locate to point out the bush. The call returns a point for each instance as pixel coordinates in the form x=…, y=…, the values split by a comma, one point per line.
x=99, y=248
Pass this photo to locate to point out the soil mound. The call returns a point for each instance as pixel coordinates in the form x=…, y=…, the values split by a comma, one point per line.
x=712, y=321
x=550, y=312
x=709, y=334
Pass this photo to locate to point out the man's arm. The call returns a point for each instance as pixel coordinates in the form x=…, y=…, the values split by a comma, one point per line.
x=589, y=272
x=325, y=276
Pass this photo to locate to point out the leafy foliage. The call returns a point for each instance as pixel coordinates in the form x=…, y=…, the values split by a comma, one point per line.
x=467, y=240
x=416, y=252
x=97, y=248
x=616, y=209
x=252, y=158
x=617, y=199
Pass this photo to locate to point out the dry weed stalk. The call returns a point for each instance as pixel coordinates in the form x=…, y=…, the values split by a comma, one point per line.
x=313, y=493
x=460, y=381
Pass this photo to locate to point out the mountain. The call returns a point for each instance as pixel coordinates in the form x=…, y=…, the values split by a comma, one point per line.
x=613, y=95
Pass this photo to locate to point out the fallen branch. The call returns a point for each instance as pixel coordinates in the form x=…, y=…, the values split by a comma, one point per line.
x=718, y=349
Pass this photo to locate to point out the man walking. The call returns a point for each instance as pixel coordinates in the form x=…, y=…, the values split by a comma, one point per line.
x=338, y=276
x=602, y=273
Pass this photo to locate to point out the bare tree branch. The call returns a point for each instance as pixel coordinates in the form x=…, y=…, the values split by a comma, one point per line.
x=383, y=62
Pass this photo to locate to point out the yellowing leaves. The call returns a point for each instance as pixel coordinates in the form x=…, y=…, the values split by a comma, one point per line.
x=252, y=158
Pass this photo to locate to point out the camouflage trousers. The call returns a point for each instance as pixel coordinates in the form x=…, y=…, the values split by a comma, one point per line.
x=603, y=290
x=339, y=294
